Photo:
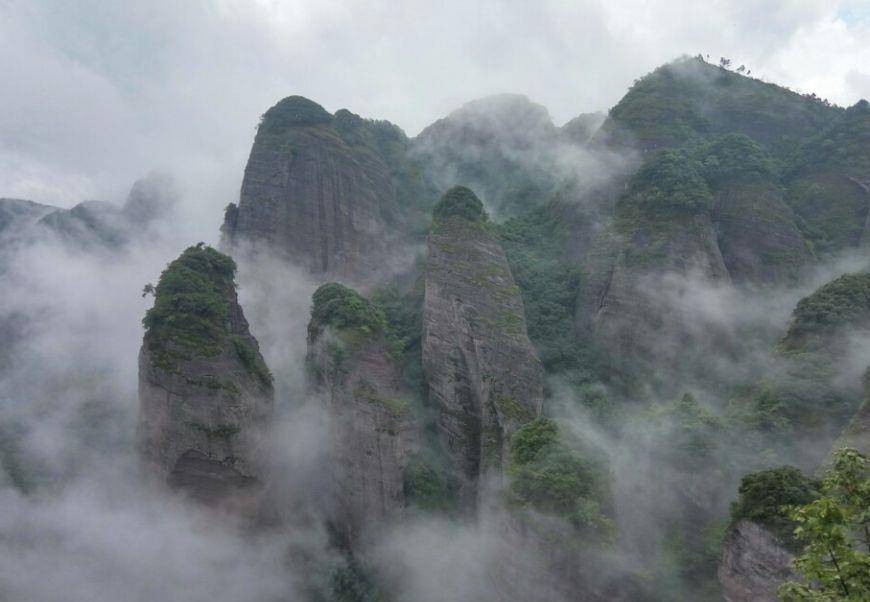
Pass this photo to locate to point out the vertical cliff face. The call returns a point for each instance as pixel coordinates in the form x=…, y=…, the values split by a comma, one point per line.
x=205, y=392
x=484, y=376
x=663, y=238
x=373, y=432
x=754, y=564
x=321, y=191
x=757, y=231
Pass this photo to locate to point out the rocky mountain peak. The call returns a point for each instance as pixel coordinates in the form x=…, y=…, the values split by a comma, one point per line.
x=205, y=392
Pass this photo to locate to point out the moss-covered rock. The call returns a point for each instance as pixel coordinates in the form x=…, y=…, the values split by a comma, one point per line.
x=342, y=308
x=191, y=307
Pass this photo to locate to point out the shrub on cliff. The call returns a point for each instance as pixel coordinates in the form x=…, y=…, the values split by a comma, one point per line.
x=765, y=497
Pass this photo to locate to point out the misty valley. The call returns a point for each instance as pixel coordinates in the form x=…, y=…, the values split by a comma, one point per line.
x=626, y=358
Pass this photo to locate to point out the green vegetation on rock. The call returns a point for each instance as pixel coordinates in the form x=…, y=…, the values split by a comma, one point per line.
x=342, y=308
x=551, y=476
x=459, y=202
x=427, y=487
x=689, y=100
x=290, y=112
x=252, y=360
x=671, y=181
x=190, y=316
x=765, y=498
x=733, y=158
x=819, y=317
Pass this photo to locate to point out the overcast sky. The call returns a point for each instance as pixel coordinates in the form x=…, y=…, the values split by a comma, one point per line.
x=94, y=94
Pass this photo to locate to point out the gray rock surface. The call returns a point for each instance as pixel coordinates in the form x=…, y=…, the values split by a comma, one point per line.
x=636, y=277
x=319, y=191
x=373, y=432
x=754, y=564
x=484, y=376
x=204, y=409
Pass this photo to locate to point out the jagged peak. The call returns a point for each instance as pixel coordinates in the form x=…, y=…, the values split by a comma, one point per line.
x=460, y=202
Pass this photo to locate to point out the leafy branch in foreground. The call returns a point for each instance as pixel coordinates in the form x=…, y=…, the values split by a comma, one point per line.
x=835, y=531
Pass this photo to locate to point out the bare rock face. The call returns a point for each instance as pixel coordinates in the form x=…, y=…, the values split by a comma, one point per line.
x=373, y=433
x=754, y=564
x=205, y=392
x=484, y=376
x=319, y=190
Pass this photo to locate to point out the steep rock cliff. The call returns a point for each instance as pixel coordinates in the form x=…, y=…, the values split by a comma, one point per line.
x=484, y=376
x=205, y=392
x=373, y=431
x=754, y=564
x=757, y=231
x=662, y=241
x=332, y=193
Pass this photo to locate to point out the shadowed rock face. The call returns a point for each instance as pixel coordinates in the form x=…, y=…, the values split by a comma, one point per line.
x=754, y=564
x=205, y=393
x=373, y=432
x=639, y=270
x=758, y=236
x=319, y=191
x=484, y=376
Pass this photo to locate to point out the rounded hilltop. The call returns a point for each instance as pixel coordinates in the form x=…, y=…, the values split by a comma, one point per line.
x=293, y=111
x=460, y=202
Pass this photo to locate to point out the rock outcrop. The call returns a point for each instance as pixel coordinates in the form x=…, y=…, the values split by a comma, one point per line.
x=484, y=376
x=323, y=191
x=205, y=392
x=373, y=431
x=662, y=244
x=754, y=564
